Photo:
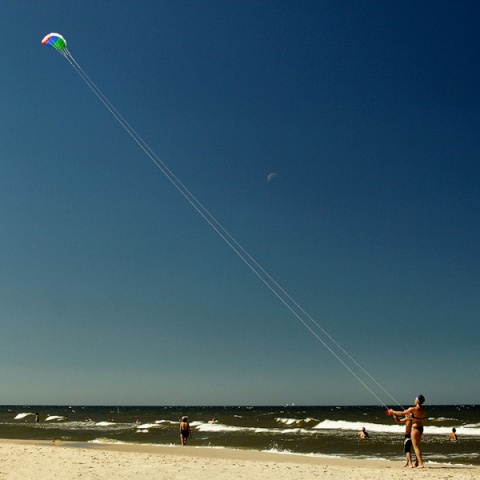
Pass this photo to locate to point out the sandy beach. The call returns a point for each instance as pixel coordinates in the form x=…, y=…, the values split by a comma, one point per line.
x=47, y=460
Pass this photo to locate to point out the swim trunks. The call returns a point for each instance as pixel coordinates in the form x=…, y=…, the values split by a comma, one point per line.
x=407, y=444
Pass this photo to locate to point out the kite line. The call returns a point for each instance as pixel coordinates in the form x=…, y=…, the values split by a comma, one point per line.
x=59, y=43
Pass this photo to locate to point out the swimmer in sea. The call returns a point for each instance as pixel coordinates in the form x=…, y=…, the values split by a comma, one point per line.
x=362, y=433
x=418, y=414
x=184, y=430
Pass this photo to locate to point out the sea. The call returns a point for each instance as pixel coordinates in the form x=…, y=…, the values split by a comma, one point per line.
x=325, y=431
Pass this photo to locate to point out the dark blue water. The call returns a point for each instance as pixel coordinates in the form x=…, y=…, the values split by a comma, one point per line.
x=328, y=431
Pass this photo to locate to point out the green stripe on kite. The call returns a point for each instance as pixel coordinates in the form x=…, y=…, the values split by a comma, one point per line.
x=55, y=40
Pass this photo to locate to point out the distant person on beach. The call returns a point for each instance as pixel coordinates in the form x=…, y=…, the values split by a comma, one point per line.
x=453, y=436
x=37, y=417
x=184, y=430
x=407, y=443
x=418, y=414
x=362, y=433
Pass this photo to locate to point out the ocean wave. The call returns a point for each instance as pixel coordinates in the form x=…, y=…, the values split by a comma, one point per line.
x=288, y=421
x=220, y=427
x=168, y=422
x=357, y=426
x=471, y=430
x=22, y=415
x=291, y=421
x=145, y=426
x=108, y=441
x=328, y=425
x=85, y=426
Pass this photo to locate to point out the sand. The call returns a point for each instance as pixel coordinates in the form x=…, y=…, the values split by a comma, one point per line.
x=37, y=460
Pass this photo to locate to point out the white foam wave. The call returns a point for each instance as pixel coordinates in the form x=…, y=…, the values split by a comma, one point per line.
x=107, y=440
x=217, y=427
x=356, y=426
x=22, y=415
x=291, y=421
x=313, y=455
x=288, y=421
x=54, y=417
x=146, y=426
x=473, y=425
x=169, y=422
x=471, y=430
x=220, y=427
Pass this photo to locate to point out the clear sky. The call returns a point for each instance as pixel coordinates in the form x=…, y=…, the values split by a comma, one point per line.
x=113, y=290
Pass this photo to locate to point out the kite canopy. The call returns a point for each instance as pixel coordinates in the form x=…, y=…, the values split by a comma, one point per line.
x=56, y=41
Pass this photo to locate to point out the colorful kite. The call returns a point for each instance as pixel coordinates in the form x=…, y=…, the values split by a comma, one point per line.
x=56, y=41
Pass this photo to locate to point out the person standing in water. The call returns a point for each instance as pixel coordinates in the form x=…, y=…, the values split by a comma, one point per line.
x=184, y=430
x=418, y=414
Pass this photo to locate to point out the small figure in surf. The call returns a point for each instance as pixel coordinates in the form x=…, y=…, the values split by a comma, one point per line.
x=185, y=432
x=453, y=435
x=37, y=417
x=362, y=433
x=418, y=414
x=407, y=443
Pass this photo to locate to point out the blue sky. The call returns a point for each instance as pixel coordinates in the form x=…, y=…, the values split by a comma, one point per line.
x=114, y=290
